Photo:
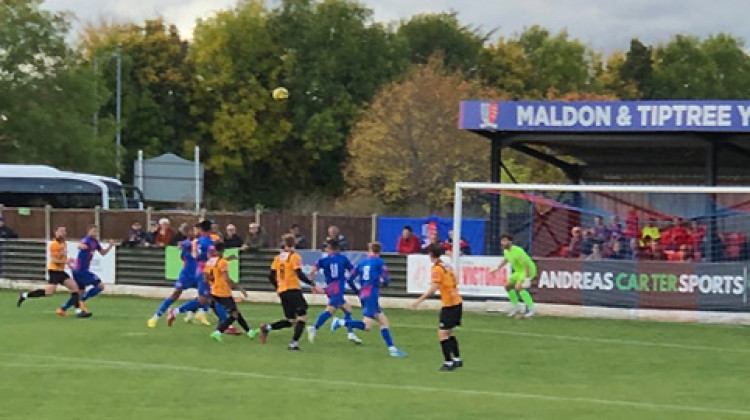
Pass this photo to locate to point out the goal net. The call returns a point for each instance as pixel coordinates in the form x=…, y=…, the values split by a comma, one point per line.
x=666, y=247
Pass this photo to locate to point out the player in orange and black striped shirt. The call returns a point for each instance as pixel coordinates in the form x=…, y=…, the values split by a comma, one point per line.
x=444, y=280
x=58, y=258
x=286, y=274
x=217, y=277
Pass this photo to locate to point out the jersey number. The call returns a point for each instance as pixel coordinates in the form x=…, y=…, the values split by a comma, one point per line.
x=335, y=271
x=366, y=273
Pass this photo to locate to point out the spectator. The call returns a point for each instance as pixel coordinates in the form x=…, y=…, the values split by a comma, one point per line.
x=408, y=243
x=676, y=235
x=232, y=239
x=685, y=253
x=463, y=245
x=136, y=237
x=643, y=249
x=631, y=224
x=575, y=248
x=182, y=233
x=633, y=249
x=334, y=233
x=696, y=232
x=434, y=240
x=5, y=231
x=596, y=253
x=650, y=230
x=601, y=232
x=657, y=252
x=589, y=240
x=299, y=238
x=712, y=248
x=216, y=235
x=153, y=230
x=618, y=251
x=615, y=227
x=164, y=233
x=256, y=239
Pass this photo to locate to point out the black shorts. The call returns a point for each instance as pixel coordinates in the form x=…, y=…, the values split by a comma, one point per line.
x=57, y=276
x=294, y=303
x=450, y=316
x=227, y=302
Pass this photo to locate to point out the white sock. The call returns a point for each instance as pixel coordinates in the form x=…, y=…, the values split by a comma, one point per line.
x=79, y=310
x=456, y=359
x=25, y=295
x=392, y=348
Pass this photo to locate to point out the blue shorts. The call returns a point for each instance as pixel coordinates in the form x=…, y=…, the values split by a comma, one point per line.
x=85, y=278
x=371, y=308
x=336, y=301
x=189, y=280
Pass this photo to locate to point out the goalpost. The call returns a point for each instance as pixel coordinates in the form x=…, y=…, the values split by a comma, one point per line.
x=669, y=246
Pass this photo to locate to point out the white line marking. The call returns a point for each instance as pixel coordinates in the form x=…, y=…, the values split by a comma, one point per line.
x=135, y=334
x=499, y=394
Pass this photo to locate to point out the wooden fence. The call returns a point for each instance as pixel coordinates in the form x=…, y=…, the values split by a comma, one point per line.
x=39, y=223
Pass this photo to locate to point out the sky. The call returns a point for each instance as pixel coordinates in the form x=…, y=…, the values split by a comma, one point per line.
x=605, y=25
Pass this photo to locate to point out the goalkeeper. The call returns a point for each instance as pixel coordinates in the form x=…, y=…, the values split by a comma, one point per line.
x=523, y=270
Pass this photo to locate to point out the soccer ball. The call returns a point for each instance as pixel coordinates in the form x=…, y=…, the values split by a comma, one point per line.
x=280, y=93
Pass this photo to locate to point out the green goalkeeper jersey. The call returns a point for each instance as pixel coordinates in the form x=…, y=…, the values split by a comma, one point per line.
x=519, y=260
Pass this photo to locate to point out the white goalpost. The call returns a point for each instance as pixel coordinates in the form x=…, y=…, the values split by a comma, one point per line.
x=708, y=269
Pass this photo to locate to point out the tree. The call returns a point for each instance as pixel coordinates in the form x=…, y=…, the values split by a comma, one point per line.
x=688, y=68
x=427, y=34
x=505, y=67
x=407, y=149
x=638, y=68
x=337, y=61
x=156, y=86
x=243, y=130
x=46, y=98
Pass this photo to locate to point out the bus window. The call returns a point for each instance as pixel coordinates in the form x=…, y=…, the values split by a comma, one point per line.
x=117, y=199
x=38, y=192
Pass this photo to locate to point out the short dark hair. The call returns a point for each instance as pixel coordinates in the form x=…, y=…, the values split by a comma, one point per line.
x=204, y=225
x=293, y=226
x=219, y=246
x=375, y=247
x=288, y=240
x=407, y=227
x=435, y=250
x=507, y=236
x=333, y=244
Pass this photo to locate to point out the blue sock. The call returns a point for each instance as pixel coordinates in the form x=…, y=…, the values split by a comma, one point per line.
x=322, y=318
x=68, y=303
x=189, y=306
x=91, y=293
x=386, y=333
x=348, y=317
x=207, y=306
x=220, y=312
x=354, y=324
x=164, y=306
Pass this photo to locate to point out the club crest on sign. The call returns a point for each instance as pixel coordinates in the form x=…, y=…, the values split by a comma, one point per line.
x=490, y=112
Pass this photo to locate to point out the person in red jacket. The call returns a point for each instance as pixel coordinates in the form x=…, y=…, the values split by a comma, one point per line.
x=408, y=243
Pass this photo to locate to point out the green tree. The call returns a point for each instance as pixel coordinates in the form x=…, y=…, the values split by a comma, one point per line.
x=638, y=68
x=427, y=34
x=688, y=68
x=338, y=60
x=46, y=99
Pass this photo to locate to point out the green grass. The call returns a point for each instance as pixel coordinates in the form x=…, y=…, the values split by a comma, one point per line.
x=113, y=367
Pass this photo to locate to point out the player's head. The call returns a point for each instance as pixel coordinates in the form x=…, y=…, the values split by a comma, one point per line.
x=186, y=230
x=407, y=231
x=375, y=248
x=288, y=242
x=204, y=226
x=435, y=251
x=93, y=231
x=61, y=232
x=506, y=241
x=218, y=248
x=333, y=246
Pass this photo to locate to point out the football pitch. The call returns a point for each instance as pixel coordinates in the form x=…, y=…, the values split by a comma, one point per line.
x=112, y=366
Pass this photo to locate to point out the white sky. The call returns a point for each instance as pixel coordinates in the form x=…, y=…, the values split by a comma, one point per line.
x=603, y=24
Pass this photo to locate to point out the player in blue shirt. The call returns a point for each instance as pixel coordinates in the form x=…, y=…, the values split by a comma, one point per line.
x=203, y=244
x=372, y=273
x=81, y=270
x=335, y=267
x=187, y=279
